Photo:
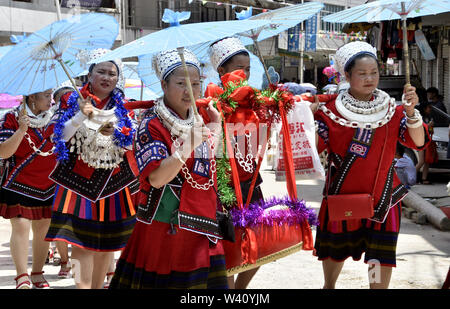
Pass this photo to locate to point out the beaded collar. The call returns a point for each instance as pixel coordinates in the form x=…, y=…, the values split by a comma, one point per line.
x=177, y=126
x=363, y=111
x=362, y=114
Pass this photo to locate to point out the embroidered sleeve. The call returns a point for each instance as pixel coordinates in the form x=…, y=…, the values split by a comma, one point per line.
x=402, y=130
x=8, y=125
x=149, y=148
x=322, y=130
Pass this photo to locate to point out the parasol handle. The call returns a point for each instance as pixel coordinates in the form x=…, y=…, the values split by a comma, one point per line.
x=405, y=46
x=58, y=57
x=261, y=58
x=142, y=89
x=188, y=81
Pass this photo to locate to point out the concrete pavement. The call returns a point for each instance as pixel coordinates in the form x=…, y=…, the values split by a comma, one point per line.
x=423, y=255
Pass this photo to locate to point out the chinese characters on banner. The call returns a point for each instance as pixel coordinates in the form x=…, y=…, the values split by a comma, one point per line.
x=311, y=34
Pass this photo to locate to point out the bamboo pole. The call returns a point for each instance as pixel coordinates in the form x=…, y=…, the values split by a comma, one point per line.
x=58, y=10
x=188, y=81
x=260, y=56
x=58, y=58
x=405, y=45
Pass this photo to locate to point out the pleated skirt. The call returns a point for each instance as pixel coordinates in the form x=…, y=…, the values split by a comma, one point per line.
x=105, y=225
x=343, y=239
x=14, y=205
x=155, y=258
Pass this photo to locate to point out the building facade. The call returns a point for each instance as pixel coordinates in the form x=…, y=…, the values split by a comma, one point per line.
x=284, y=52
x=21, y=17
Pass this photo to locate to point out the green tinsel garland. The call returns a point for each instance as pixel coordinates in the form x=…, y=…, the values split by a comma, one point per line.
x=226, y=191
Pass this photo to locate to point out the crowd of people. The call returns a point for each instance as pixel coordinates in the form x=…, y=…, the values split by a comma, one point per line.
x=148, y=188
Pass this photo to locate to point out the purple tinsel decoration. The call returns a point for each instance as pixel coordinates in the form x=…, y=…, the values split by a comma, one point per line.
x=259, y=213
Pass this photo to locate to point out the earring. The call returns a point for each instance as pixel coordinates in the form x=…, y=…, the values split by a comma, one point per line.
x=33, y=105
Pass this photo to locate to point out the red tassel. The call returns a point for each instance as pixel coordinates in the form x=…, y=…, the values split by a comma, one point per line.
x=287, y=154
x=249, y=247
x=234, y=171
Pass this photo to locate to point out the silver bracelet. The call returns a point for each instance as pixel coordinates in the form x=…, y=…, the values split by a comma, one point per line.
x=417, y=118
x=415, y=125
x=417, y=115
x=177, y=156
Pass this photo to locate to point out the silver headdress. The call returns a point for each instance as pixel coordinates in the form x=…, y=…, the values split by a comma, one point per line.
x=348, y=52
x=166, y=62
x=222, y=50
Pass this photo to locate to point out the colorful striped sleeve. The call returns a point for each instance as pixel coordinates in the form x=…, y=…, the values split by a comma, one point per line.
x=149, y=147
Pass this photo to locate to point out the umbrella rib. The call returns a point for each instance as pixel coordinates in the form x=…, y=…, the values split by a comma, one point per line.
x=24, y=77
x=44, y=75
x=56, y=75
x=35, y=74
x=11, y=80
x=27, y=65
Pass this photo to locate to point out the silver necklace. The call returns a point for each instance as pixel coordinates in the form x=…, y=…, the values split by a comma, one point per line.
x=363, y=121
x=176, y=126
x=365, y=107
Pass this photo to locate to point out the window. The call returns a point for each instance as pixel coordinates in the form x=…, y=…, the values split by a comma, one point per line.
x=327, y=10
x=89, y=3
x=131, y=13
x=213, y=13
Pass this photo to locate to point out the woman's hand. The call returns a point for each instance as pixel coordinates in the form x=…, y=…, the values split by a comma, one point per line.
x=199, y=133
x=213, y=113
x=86, y=107
x=412, y=99
x=416, y=133
x=24, y=121
x=315, y=106
x=215, y=126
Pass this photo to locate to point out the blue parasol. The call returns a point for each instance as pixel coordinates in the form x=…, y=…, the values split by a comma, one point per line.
x=178, y=36
x=209, y=74
x=49, y=56
x=279, y=21
x=391, y=9
x=4, y=50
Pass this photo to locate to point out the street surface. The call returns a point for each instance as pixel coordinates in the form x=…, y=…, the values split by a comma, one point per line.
x=423, y=253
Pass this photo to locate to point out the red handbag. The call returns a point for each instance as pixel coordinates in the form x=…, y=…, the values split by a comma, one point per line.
x=352, y=206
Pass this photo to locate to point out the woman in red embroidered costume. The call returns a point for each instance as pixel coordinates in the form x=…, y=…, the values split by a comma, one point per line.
x=228, y=55
x=262, y=232
x=360, y=128
x=176, y=241
x=27, y=193
x=93, y=208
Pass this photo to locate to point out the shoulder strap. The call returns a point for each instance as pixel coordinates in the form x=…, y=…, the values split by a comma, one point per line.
x=381, y=159
x=378, y=169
